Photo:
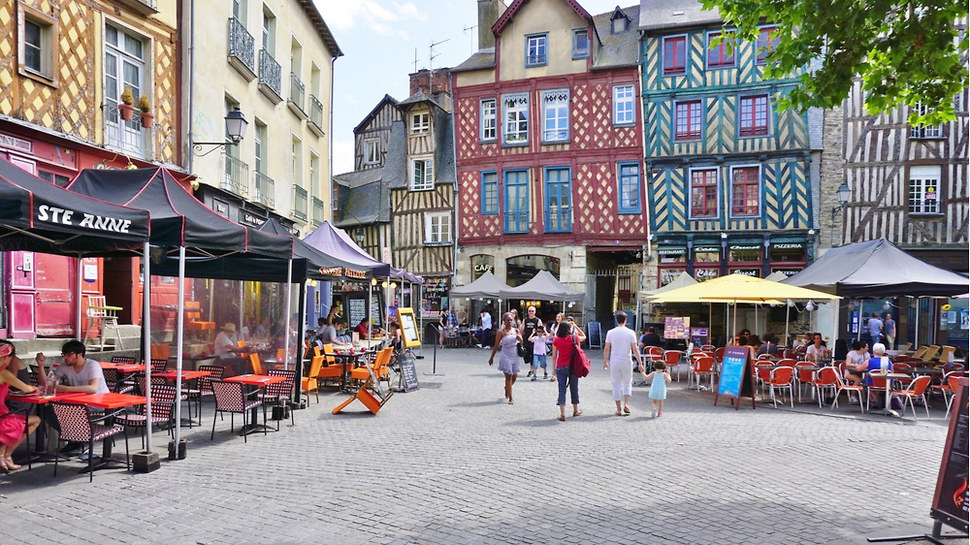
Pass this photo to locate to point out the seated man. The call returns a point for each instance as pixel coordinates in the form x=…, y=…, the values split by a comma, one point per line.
x=328, y=334
x=227, y=352
x=649, y=338
x=82, y=375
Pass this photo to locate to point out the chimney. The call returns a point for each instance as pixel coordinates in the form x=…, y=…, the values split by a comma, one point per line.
x=488, y=13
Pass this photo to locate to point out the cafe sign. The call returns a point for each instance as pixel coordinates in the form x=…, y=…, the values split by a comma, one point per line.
x=745, y=247
x=61, y=216
x=788, y=246
x=250, y=219
x=703, y=249
x=747, y=272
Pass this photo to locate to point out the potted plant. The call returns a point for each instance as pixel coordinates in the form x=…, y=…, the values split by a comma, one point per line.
x=126, y=107
x=147, y=119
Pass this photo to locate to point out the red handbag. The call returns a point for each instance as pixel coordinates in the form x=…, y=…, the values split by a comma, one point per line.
x=579, y=362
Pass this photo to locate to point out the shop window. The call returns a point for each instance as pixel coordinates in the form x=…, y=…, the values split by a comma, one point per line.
x=521, y=269
x=481, y=264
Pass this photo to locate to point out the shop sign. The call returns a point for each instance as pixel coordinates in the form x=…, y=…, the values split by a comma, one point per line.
x=671, y=251
x=702, y=275
x=12, y=142
x=483, y=267
x=700, y=249
x=62, y=216
x=252, y=220
x=787, y=246
x=747, y=272
x=669, y=275
x=221, y=207
x=744, y=247
x=788, y=272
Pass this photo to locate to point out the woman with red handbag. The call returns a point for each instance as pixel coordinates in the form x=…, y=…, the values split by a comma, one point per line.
x=568, y=336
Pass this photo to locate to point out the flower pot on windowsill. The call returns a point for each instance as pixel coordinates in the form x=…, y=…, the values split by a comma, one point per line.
x=127, y=111
x=147, y=120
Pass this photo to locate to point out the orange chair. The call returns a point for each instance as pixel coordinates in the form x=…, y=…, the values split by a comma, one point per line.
x=330, y=369
x=953, y=381
x=781, y=379
x=906, y=369
x=804, y=376
x=824, y=380
x=710, y=348
x=309, y=382
x=917, y=388
x=877, y=388
x=700, y=367
x=257, y=364
x=379, y=368
x=763, y=376
x=944, y=387
x=848, y=389
x=672, y=359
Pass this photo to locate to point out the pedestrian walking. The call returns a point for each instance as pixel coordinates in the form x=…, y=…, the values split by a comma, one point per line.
x=659, y=378
x=540, y=346
x=567, y=337
x=621, y=344
x=526, y=329
x=508, y=363
x=889, y=331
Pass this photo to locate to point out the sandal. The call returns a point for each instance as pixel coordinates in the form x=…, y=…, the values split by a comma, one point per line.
x=626, y=410
x=10, y=466
x=561, y=418
x=577, y=413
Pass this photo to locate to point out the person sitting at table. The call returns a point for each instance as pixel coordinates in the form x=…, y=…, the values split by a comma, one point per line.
x=329, y=334
x=815, y=351
x=227, y=352
x=875, y=363
x=363, y=327
x=770, y=346
x=857, y=361
x=394, y=337
x=12, y=424
x=248, y=330
x=83, y=375
x=649, y=338
x=754, y=344
x=262, y=330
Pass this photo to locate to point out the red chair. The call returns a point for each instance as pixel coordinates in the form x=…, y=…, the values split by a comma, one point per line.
x=904, y=368
x=953, y=381
x=825, y=380
x=804, y=376
x=700, y=367
x=848, y=388
x=780, y=378
x=878, y=387
x=945, y=387
x=672, y=359
x=763, y=376
x=917, y=388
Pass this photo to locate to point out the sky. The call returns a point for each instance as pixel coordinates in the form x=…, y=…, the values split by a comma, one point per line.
x=380, y=39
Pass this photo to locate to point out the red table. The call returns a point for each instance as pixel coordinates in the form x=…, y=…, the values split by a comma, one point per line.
x=124, y=368
x=257, y=382
x=187, y=374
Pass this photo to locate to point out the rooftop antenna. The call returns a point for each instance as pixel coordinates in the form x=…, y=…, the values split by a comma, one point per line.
x=432, y=54
x=471, y=38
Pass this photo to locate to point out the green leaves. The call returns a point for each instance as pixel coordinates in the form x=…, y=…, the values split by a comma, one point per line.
x=904, y=53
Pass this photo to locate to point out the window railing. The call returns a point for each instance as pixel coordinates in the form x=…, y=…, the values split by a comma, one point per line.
x=241, y=44
x=235, y=175
x=264, y=190
x=299, y=202
x=297, y=92
x=316, y=112
x=270, y=72
x=128, y=137
x=316, y=211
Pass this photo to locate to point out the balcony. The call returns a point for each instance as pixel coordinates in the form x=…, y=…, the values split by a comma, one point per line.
x=241, y=49
x=270, y=83
x=316, y=212
x=235, y=175
x=316, y=116
x=141, y=7
x=127, y=137
x=299, y=202
x=264, y=189
x=297, y=97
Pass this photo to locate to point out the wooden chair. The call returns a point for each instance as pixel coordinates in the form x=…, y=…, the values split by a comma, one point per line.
x=946, y=353
x=102, y=316
x=931, y=352
x=257, y=364
x=309, y=382
x=918, y=353
x=905, y=348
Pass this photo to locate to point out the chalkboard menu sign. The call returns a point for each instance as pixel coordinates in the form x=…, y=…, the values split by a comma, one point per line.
x=951, y=499
x=595, y=335
x=409, y=377
x=736, y=379
x=676, y=327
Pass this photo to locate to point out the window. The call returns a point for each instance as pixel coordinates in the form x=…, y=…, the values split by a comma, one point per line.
x=296, y=161
x=422, y=174
x=269, y=32
x=555, y=115
x=489, y=193
x=420, y=123
x=124, y=67
x=558, y=211
x=517, y=201
x=767, y=42
x=687, y=120
x=720, y=55
x=239, y=10
x=516, y=114
x=924, y=190
x=618, y=25
x=437, y=228
x=489, y=120
x=259, y=142
x=580, y=43
x=753, y=116
x=57, y=179
x=372, y=154
x=535, y=50
x=629, y=174
x=300, y=202
x=745, y=191
x=623, y=110
x=36, y=46
x=925, y=131
x=703, y=193
x=675, y=55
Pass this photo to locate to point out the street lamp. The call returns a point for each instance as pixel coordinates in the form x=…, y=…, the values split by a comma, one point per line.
x=359, y=236
x=843, y=193
x=235, y=130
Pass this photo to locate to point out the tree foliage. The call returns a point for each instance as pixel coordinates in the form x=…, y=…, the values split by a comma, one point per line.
x=904, y=52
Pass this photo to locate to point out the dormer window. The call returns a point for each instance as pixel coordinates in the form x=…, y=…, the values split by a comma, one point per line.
x=619, y=25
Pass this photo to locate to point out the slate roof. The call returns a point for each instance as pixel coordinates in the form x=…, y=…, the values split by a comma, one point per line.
x=617, y=50
x=666, y=14
x=480, y=60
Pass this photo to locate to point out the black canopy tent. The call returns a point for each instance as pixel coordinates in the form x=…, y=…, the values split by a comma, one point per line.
x=179, y=224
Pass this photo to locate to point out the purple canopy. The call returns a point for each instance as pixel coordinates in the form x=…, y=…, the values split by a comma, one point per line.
x=337, y=243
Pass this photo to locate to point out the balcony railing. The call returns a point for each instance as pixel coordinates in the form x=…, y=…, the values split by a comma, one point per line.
x=241, y=45
x=128, y=137
x=316, y=212
x=235, y=175
x=297, y=92
x=264, y=189
x=299, y=202
x=270, y=72
x=316, y=113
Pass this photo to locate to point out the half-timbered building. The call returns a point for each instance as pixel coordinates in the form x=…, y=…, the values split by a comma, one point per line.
x=548, y=138
x=730, y=177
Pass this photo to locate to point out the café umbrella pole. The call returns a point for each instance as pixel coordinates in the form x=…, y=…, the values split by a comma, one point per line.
x=146, y=325
x=179, y=328
x=289, y=309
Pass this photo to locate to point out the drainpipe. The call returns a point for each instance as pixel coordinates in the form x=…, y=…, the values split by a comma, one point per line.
x=191, y=55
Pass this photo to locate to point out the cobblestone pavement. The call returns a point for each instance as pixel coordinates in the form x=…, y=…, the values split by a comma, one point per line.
x=453, y=463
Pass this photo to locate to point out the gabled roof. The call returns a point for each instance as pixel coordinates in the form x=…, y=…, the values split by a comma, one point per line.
x=313, y=14
x=418, y=98
x=667, y=14
x=517, y=4
x=380, y=104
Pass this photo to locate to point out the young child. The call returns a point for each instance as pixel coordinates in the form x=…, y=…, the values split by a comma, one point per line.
x=540, y=341
x=659, y=378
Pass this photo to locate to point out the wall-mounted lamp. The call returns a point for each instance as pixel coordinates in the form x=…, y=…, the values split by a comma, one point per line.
x=844, y=193
x=723, y=236
x=359, y=236
x=235, y=130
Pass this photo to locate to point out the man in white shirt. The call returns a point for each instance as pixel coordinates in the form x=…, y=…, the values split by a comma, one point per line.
x=621, y=343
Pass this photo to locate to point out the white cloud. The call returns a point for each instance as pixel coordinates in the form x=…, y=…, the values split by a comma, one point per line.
x=409, y=11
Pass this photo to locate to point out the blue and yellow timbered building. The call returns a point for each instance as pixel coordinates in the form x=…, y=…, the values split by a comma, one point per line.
x=729, y=177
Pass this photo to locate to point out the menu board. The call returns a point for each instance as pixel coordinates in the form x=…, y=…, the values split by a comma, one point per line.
x=409, y=328
x=676, y=327
x=356, y=311
x=409, y=377
x=736, y=380
x=595, y=337
x=950, y=501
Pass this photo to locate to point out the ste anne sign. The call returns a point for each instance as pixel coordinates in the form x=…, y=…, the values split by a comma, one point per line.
x=84, y=220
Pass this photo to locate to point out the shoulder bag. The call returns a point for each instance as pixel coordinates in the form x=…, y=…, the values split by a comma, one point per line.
x=579, y=362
